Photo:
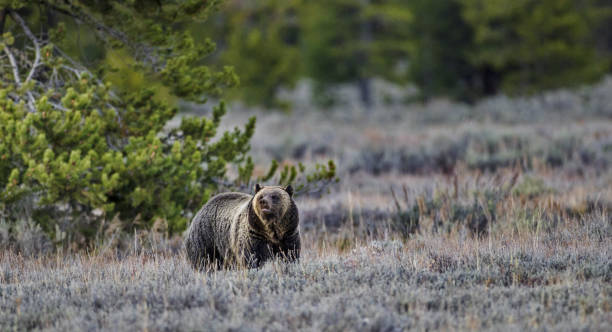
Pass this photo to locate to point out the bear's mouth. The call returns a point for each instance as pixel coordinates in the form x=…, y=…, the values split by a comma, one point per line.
x=267, y=213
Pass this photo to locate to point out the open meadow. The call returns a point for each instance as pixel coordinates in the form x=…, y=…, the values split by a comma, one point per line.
x=449, y=161
x=445, y=217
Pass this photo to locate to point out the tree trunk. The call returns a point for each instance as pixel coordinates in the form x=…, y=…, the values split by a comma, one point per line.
x=365, y=92
x=490, y=81
x=3, y=14
x=365, y=36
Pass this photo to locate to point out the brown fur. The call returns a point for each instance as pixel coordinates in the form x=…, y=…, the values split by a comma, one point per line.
x=240, y=229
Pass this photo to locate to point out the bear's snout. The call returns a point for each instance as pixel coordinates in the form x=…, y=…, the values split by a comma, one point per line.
x=265, y=205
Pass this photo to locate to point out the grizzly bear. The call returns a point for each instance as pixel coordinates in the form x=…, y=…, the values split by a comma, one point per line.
x=237, y=229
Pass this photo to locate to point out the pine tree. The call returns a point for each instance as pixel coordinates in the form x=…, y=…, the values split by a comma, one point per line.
x=527, y=45
x=439, y=60
x=73, y=146
x=355, y=41
x=262, y=43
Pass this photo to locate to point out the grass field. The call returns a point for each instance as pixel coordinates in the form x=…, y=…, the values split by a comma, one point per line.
x=447, y=217
x=430, y=282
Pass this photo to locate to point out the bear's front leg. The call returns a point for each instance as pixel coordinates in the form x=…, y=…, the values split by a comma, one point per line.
x=259, y=253
x=290, y=248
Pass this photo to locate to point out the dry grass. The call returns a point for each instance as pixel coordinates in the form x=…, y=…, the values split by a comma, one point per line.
x=428, y=282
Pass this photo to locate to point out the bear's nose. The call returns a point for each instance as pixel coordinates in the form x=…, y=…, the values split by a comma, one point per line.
x=264, y=203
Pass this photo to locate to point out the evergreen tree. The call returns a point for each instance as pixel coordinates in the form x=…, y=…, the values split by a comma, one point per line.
x=354, y=41
x=599, y=19
x=72, y=144
x=262, y=43
x=439, y=60
x=529, y=45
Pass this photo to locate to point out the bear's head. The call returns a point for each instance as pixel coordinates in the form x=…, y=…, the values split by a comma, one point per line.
x=272, y=202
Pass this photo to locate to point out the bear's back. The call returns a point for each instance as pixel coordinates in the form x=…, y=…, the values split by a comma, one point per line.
x=209, y=231
x=221, y=210
x=227, y=199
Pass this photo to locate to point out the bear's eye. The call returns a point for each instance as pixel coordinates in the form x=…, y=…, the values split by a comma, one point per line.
x=274, y=197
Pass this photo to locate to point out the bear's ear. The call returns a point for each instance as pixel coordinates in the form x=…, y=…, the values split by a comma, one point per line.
x=289, y=190
x=258, y=187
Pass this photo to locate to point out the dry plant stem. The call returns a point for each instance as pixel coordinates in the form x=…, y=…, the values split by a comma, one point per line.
x=34, y=41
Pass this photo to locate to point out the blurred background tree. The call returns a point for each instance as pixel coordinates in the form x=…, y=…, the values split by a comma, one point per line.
x=527, y=45
x=439, y=60
x=463, y=49
x=354, y=41
x=261, y=40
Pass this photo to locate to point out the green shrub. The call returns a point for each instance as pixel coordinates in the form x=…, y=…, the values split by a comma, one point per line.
x=85, y=155
x=531, y=188
x=75, y=150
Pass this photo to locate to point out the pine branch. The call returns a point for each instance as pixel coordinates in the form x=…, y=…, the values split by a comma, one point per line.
x=76, y=13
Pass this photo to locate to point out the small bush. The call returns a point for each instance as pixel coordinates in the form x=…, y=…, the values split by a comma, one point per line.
x=531, y=188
